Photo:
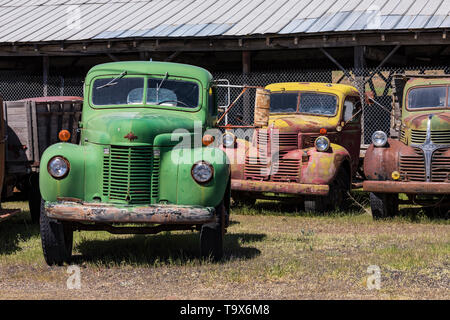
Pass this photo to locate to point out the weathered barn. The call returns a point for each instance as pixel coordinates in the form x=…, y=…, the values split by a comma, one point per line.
x=46, y=47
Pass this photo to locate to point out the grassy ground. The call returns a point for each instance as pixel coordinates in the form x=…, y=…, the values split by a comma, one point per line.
x=272, y=252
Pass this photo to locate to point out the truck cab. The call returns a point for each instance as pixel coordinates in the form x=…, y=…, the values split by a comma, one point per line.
x=418, y=162
x=142, y=160
x=308, y=150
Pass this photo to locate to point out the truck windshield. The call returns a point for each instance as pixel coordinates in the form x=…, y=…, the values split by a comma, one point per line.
x=125, y=91
x=427, y=97
x=303, y=102
x=175, y=93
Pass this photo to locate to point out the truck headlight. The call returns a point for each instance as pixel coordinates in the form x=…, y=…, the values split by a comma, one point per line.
x=228, y=140
x=379, y=139
x=58, y=167
x=202, y=172
x=322, y=144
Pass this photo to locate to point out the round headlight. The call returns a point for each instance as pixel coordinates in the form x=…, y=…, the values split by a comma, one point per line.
x=379, y=139
x=202, y=172
x=58, y=167
x=228, y=140
x=322, y=144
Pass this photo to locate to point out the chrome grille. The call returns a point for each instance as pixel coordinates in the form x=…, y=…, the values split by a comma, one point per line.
x=127, y=174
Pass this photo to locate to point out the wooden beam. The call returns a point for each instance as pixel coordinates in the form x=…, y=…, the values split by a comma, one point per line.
x=333, y=40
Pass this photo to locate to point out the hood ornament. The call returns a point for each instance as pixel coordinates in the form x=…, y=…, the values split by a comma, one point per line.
x=130, y=136
x=428, y=148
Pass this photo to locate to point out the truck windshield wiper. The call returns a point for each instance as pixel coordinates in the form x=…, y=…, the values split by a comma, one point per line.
x=112, y=83
x=158, y=86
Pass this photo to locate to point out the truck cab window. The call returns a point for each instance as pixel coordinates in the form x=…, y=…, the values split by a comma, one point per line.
x=427, y=97
x=352, y=106
x=119, y=92
x=175, y=93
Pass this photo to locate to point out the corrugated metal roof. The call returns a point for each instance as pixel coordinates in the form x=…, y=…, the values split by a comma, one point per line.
x=56, y=20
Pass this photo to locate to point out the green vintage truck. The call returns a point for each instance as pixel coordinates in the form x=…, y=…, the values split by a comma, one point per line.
x=143, y=164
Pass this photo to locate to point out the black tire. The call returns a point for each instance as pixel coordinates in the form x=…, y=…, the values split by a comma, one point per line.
x=383, y=205
x=212, y=234
x=338, y=198
x=34, y=199
x=57, y=239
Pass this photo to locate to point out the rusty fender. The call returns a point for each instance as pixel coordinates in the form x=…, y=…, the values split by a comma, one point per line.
x=106, y=213
x=280, y=187
x=407, y=187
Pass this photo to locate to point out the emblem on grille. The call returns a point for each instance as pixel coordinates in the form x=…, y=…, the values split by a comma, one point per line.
x=428, y=148
x=131, y=136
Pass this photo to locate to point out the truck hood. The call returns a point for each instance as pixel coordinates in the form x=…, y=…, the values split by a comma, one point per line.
x=136, y=127
x=302, y=123
x=439, y=121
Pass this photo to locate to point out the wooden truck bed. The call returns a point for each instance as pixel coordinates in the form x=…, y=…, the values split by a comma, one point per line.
x=33, y=125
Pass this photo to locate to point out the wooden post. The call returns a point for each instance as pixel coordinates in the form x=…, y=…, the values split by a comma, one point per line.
x=246, y=68
x=359, y=65
x=45, y=72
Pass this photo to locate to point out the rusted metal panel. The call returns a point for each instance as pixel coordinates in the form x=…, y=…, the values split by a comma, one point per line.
x=407, y=187
x=108, y=213
x=280, y=187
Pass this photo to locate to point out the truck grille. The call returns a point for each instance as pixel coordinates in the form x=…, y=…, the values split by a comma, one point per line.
x=412, y=167
x=440, y=167
x=286, y=170
x=438, y=137
x=256, y=168
x=127, y=174
x=285, y=140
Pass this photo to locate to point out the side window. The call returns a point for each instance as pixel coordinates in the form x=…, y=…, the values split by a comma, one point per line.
x=352, y=106
x=212, y=101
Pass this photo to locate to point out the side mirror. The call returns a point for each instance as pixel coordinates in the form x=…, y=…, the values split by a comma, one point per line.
x=262, y=107
x=369, y=97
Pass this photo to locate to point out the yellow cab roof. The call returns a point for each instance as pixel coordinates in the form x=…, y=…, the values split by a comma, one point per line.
x=335, y=88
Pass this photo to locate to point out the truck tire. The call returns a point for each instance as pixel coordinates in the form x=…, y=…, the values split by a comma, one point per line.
x=212, y=234
x=57, y=239
x=383, y=205
x=34, y=199
x=338, y=198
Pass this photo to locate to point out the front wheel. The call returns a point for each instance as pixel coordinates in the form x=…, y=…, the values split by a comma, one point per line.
x=383, y=205
x=57, y=239
x=212, y=234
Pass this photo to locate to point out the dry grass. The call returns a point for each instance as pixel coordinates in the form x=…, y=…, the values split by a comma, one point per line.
x=272, y=252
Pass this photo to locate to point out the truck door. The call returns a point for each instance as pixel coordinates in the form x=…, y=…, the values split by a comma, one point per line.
x=351, y=134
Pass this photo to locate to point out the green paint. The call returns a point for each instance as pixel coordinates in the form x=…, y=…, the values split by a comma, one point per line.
x=109, y=168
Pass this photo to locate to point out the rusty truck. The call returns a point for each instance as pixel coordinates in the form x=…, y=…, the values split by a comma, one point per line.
x=307, y=148
x=415, y=160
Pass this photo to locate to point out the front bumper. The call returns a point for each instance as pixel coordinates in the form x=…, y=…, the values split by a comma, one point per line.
x=109, y=213
x=280, y=187
x=407, y=187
